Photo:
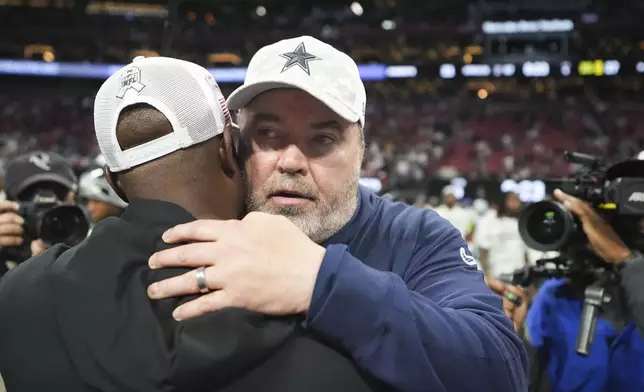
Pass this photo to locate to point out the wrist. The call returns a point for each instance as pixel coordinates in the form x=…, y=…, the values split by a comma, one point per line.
x=633, y=257
x=316, y=257
x=621, y=255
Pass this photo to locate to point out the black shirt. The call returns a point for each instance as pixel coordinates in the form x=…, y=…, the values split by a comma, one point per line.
x=79, y=319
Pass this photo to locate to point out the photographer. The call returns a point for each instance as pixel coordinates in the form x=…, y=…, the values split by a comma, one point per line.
x=29, y=178
x=102, y=201
x=605, y=242
x=616, y=358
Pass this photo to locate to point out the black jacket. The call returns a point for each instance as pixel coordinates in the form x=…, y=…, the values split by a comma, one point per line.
x=79, y=319
x=632, y=284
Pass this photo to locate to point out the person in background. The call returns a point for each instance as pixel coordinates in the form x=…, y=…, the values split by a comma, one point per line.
x=615, y=361
x=500, y=245
x=460, y=217
x=3, y=195
x=24, y=175
x=515, y=302
x=102, y=201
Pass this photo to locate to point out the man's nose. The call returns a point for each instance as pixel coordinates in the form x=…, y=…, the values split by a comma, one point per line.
x=293, y=161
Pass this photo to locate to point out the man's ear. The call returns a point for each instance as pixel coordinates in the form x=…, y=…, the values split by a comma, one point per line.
x=228, y=151
x=114, y=183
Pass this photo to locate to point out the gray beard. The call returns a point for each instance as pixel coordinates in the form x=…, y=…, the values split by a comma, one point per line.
x=320, y=220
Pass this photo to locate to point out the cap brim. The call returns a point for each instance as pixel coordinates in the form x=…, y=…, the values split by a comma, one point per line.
x=43, y=177
x=246, y=93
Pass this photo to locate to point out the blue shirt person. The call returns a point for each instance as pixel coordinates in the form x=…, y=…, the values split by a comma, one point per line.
x=392, y=286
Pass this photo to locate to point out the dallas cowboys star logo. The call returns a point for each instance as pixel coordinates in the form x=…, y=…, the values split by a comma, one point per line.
x=300, y=58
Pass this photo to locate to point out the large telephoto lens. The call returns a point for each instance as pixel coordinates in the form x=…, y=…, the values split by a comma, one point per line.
x=547, y=226
x=64, y=224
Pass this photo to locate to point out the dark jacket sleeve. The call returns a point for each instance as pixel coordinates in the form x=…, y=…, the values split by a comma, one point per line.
x=436, y=328
x=632, y=281
x=538, y=369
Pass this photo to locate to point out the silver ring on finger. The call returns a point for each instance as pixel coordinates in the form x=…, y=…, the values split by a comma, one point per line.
x=202, y=284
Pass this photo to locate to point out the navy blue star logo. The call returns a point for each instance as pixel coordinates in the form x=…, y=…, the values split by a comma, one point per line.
x=300, y=58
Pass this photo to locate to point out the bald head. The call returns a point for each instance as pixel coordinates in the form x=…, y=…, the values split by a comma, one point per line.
x=139, y=124
x=202, y=178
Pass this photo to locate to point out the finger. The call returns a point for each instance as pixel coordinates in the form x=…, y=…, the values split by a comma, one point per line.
x=200, y=230
x=184, y=284
x=6, y=205
x=208, y=303
x=516, y=291
x=496, y=285
x=10, y=217
x=38, y=247
x=190, y=255
x=508, y=308
x=11, y=229
x=517, y=326
x=575, y=205
x=10, y=241
x=562, y=196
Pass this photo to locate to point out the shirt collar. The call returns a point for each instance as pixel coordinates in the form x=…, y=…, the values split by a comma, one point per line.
x=156, y=213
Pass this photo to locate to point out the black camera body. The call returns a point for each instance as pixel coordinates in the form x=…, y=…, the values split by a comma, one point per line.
x=627, y=194
x=52, y=221
x=615, y=192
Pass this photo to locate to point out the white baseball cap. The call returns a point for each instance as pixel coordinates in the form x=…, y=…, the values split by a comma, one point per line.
x=310, y=65
x=449, y=190
x=184, y=92
x=92, y=185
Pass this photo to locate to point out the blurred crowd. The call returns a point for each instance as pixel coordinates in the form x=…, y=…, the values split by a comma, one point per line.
x=415, y=129
x=229, y=32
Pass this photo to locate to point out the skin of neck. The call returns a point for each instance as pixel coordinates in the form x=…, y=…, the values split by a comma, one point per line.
x=203, y=194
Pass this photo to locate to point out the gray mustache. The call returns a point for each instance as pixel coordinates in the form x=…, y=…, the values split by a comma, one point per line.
x=300, y=187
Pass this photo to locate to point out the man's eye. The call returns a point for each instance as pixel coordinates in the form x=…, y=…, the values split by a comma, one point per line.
x=266, y=133
x=323, y=139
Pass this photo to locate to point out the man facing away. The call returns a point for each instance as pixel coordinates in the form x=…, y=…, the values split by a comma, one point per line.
x=80, y=318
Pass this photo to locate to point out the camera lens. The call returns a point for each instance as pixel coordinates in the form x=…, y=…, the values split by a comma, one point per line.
x=64, y=224
x=546, y=226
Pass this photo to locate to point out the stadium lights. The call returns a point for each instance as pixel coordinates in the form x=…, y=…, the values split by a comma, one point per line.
x=639, y=67
x=482, y=93
x=476, y=70
x=536, y=69
x=356, y=8
x=260, y=11
x=525, y=26
x=388, y=24
x=49, y=56
x=447, y=71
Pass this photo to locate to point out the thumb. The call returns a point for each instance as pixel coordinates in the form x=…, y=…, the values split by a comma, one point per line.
x=575, y=205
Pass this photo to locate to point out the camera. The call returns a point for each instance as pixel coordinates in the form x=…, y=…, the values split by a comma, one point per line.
x=616, y=191
x=48, y=219
x=617, y=194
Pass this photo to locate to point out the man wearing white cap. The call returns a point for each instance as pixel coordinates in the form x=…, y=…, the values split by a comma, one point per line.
x=102, y=201
x=81, y=319
x=393, y=286
x=461, y=218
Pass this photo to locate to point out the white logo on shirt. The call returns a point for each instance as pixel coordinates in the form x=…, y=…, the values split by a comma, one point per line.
x=467, y=259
